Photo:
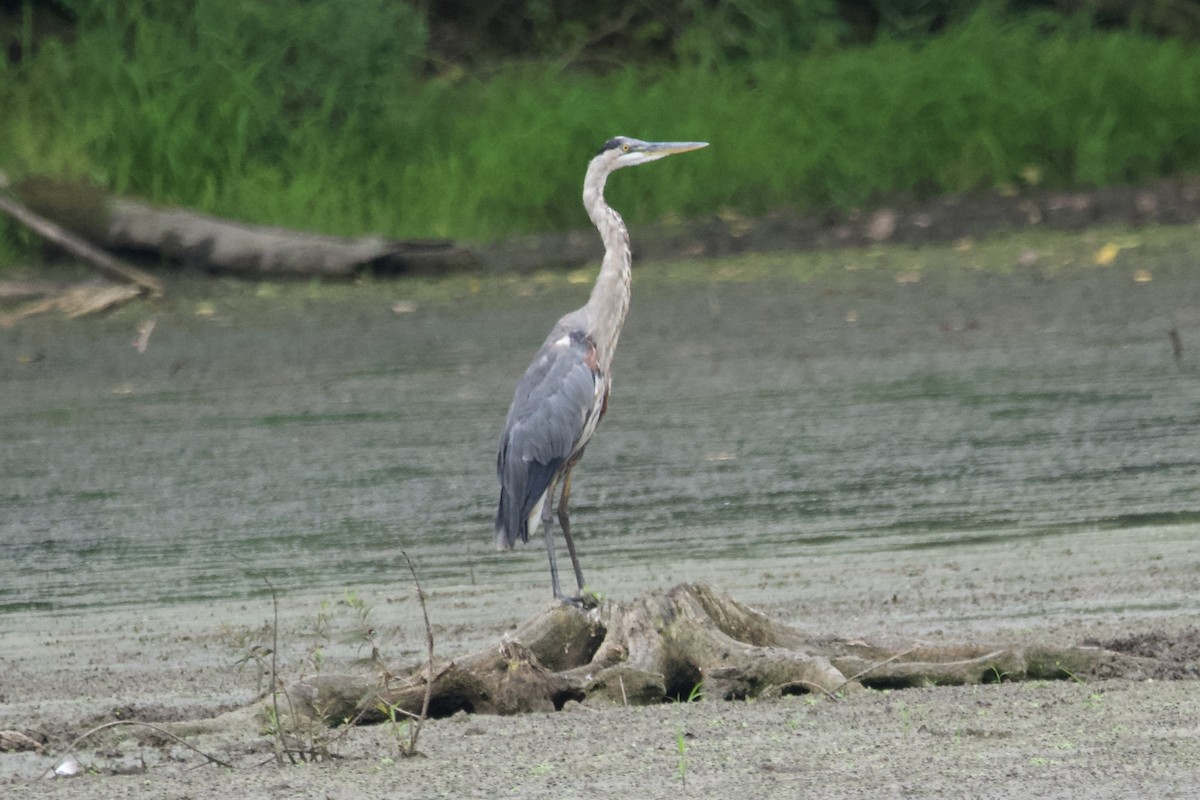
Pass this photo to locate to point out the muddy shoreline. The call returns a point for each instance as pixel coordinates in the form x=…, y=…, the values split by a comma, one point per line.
x=1108, y=738
x=270, y=418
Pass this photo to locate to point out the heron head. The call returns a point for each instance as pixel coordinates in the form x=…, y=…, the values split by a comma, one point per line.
x=622, y=151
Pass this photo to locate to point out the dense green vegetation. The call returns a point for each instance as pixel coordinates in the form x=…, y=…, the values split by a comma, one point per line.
x=338, y=115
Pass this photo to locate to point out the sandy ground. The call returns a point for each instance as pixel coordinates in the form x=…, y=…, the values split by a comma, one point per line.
x=1118, y=738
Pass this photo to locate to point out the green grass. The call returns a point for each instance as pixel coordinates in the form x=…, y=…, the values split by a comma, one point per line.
x=216, y=120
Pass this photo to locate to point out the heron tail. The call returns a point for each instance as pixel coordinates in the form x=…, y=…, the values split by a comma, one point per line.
x=503, y=540
x=508, y=524
x=522, y=494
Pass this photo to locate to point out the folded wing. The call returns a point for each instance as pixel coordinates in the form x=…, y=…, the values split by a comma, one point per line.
x=554, y=411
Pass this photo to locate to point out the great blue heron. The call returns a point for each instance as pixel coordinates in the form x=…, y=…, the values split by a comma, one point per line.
x=564, y=393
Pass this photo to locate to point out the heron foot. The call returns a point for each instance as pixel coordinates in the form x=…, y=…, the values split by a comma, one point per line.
x=584, y=601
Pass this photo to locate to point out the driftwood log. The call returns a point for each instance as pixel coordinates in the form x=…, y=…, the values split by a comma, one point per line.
x=665, y=646
x=210, y=243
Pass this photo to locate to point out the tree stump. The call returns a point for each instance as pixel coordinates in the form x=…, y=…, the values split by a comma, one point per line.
x=674, y=645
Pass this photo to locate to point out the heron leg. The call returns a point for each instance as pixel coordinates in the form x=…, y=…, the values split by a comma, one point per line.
x=548, y=532
x=564, y=521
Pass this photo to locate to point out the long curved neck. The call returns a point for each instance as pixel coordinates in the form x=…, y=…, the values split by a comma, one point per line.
x=606, y=308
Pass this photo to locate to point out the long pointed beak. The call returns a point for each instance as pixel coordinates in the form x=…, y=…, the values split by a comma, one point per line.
x=671, y=148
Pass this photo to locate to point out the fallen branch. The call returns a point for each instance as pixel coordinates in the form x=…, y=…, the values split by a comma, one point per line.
x=15, y=290
x=74, y=301
x=78, y=246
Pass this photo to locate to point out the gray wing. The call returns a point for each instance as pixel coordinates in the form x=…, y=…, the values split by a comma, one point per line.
x=554, y=401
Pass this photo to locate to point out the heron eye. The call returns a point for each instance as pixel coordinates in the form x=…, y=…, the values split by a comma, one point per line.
x=624, y=148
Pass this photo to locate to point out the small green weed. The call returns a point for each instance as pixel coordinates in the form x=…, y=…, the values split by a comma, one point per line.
x=681, y=749
x=305, y=734
x=996, y=675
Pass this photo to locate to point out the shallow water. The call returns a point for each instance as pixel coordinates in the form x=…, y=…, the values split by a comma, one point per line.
x=748, y=421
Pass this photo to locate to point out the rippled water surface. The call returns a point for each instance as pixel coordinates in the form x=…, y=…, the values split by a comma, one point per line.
x=771, y=419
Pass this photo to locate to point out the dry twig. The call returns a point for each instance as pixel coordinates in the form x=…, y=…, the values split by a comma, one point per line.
x=872, y=668
x=211, y=759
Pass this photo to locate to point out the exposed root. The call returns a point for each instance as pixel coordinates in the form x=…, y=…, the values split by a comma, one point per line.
x=662, y=646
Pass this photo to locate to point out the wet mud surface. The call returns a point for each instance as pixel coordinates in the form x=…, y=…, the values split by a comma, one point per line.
x=890, y=220
x=890, y=449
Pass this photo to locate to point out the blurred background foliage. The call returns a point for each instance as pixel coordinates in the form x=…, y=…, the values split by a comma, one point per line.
x=710, y=32
x=474, y=120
